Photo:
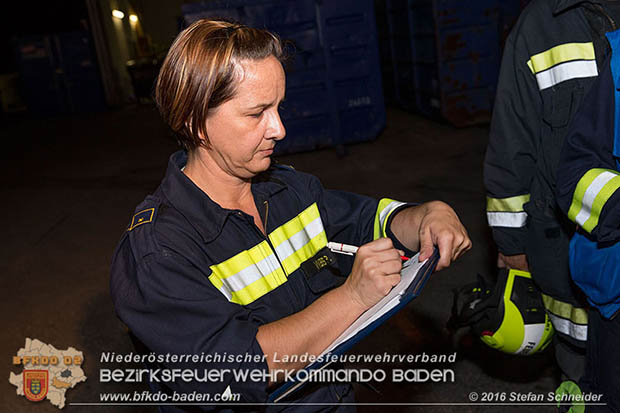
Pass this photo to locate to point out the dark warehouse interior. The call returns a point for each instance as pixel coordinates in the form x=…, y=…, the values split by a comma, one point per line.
x=84, y=144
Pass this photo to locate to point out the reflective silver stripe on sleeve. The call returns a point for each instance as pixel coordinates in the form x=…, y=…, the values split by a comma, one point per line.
x=566, y=71
x=507, y=219
x=385, y=212
x=590, y=195
x=576, y=331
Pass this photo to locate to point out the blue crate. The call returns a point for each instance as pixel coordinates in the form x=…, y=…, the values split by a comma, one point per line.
x=445, y=56
x=334, y=94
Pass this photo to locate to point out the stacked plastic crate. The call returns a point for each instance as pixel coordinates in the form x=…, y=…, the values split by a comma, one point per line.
x=446, y=56
x=333, y=92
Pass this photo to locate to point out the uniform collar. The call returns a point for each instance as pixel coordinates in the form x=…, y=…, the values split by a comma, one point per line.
x=562, y=5
x=206, y=216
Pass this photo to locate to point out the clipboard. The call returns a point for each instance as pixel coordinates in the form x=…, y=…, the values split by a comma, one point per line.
x=346, y=341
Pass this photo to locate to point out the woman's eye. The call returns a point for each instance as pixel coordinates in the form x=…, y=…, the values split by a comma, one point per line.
x=256, y=115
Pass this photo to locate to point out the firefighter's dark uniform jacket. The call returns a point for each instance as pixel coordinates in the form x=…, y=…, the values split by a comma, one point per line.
x=588, y=187
x=190, y=277
x=549, y=64
x=588, y=177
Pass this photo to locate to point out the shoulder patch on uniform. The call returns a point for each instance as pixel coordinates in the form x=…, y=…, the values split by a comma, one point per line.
x=143, y=217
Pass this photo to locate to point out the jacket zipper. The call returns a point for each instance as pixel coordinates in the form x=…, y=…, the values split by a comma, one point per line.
x=266, y=203
x=266, y=238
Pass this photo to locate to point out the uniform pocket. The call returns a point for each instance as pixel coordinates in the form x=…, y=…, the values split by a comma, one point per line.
x=321, y=272
x=559, y=104
x=547, y=255
x=324, y=280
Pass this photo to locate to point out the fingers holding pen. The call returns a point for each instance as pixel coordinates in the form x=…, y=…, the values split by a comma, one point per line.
x=376, y=270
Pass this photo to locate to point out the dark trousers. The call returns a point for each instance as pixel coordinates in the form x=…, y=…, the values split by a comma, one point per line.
x=603, y=362
x=547, y=254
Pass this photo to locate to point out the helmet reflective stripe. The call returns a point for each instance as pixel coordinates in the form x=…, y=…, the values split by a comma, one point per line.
x=534, y=339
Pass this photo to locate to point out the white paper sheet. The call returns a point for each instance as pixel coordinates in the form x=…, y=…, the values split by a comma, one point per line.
x=407, y=275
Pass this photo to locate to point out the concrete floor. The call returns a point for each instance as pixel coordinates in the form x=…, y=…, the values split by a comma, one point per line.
x=69, y=186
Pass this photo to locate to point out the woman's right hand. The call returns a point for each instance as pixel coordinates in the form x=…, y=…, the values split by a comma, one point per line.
x=376, y=270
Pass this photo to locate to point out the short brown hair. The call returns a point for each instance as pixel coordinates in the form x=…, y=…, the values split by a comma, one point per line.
x=199, y=73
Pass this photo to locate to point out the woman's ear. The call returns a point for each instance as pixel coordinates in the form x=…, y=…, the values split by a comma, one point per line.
x=203, y=139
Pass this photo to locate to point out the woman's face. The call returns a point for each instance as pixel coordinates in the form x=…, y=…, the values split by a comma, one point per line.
x=243, y=131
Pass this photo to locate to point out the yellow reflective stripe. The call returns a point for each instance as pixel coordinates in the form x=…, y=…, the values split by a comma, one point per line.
x=511, y=204
x=591, y=193
x=248, y=275
x=253, y=273
x=253, y=291
x=580, y=190
x=384, y=210
x=293, y=262
x=293, y=226
x=259, y=288
x=566, y=319
x=507, y=212
x=574, y=330
x=566, y=311
x=299, y=239
x=242, y=260
x=562, y=53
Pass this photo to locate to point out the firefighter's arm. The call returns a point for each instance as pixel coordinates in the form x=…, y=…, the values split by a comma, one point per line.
x=588, y=182
x=511, y=153
x=432, y=223
x=356, y=219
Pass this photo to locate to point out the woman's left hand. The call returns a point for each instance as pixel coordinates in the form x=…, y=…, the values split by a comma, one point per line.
x=432, y=223
x=441, y=226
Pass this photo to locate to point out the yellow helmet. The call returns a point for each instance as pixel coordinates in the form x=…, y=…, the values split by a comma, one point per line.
x=508, y=316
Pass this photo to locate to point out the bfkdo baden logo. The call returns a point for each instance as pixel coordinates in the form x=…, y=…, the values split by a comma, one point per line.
x=47, y=372
x=36, y=383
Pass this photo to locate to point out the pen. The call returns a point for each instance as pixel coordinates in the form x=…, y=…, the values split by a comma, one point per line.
x=347, y=249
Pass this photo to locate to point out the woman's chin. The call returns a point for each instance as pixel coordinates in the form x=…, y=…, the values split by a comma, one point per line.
x=257, y=166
